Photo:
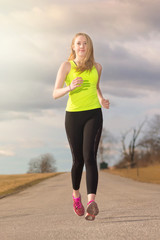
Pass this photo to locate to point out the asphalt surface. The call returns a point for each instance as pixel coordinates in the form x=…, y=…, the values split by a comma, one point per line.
x=129, y=210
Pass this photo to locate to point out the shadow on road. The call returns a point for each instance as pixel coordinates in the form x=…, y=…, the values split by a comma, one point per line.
x=130, y=219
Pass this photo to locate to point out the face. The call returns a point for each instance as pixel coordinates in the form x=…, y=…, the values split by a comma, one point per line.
x=80, y=46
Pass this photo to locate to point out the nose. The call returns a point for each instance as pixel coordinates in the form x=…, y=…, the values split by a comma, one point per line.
x=82, y=45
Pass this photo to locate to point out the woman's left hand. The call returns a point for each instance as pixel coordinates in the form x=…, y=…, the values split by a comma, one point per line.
x=105, y=103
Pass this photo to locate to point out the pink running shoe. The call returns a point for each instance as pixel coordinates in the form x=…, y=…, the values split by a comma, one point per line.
x=77, y=206
x=92, y=210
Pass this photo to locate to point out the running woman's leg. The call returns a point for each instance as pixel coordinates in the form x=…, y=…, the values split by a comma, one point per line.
x=91, y=138
x=74, y=133
x=92, y=134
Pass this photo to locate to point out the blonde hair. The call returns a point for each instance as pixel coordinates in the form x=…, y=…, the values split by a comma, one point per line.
x=88, y=61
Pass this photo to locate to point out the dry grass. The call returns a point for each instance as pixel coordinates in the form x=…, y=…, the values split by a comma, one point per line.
x=10, y=184
x=149, y=174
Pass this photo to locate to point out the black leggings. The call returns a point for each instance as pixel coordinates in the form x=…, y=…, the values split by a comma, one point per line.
x=83, y=132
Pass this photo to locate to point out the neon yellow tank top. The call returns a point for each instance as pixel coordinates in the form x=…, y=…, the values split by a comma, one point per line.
x=84, y=97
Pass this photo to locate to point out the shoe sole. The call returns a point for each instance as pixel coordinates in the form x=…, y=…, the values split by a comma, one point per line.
x=89, y=217
x=92, y=211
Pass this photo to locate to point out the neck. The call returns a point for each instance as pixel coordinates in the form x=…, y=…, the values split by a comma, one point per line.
x=79, y=59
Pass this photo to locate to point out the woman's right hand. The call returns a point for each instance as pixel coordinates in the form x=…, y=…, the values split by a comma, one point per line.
x=77, y=82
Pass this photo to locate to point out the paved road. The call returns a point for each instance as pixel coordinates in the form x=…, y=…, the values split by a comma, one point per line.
x=129, y=210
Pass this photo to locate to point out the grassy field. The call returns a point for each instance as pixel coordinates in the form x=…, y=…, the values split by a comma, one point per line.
x=17, y=182
x=149, y=174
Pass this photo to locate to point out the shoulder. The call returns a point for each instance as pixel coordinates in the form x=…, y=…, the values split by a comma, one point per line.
x=65, y=67
x=98, y=67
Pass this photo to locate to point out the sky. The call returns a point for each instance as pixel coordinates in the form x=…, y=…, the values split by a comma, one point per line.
x=35, y=38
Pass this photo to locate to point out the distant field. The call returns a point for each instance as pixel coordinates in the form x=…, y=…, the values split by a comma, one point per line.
x=17, y=182
x=149, y=174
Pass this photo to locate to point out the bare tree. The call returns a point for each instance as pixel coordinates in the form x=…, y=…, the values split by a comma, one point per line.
x=126, y=157
x=42, y=164
x=150, y=142
x=105, y=145
x=129, y=152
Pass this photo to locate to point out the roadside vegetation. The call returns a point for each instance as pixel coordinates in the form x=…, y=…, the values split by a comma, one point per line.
x=150, y=174
x=10, y=184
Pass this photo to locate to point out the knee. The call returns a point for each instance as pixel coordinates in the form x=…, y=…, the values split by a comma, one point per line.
x=78, y=164
x=90, y=160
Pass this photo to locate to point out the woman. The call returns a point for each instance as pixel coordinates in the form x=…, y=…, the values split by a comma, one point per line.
x=83, y=120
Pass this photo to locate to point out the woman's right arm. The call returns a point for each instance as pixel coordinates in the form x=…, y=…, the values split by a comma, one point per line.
x=59, y=90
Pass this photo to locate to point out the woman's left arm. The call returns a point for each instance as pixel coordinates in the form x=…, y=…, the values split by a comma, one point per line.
x=104, y=102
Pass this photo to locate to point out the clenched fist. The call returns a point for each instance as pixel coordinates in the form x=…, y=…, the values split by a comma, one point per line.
x=105, y=103
x=77, y=82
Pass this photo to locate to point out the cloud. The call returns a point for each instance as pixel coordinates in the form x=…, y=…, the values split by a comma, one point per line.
x=121, y=91
x=36, y=39
x=153, y=111
x=6, y=152
x=125, y=73
x=30, y=143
